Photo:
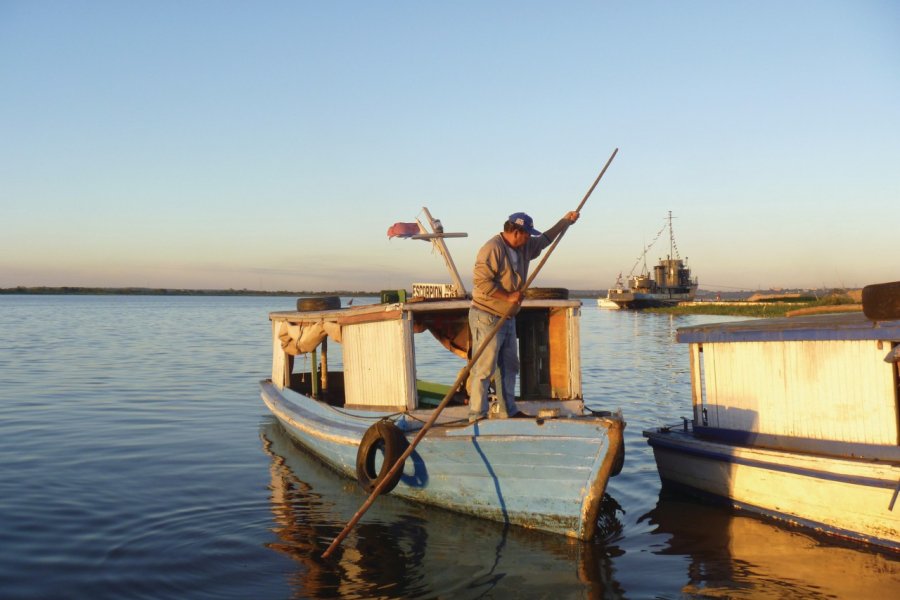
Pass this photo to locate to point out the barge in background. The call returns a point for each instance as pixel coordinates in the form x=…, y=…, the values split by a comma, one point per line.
x=669, y=284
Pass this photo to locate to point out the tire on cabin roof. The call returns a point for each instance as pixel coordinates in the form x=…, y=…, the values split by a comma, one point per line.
x=318, y=303
x=547, y=293
x=386, y=437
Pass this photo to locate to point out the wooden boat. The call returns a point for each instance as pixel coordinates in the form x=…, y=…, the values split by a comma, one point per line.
x=547, y=472
x=669, y=284
x=796, y=419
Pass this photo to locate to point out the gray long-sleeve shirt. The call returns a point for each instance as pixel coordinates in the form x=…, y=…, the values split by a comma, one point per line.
x=499, y=266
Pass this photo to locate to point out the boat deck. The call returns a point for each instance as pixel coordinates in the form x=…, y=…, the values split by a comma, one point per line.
x=454, y=416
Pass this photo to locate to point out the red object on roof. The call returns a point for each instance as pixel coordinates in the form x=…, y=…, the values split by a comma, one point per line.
x=404, y=230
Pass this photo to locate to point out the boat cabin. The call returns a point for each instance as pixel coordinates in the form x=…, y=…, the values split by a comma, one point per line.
x=824, y=384
x=365, y=356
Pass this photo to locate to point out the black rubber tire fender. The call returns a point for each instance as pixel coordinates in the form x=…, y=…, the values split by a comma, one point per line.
x=318, y=303
x=388, y=438
x=547, y=293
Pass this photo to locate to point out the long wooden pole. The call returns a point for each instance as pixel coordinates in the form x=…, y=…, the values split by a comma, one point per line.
x=463, y=374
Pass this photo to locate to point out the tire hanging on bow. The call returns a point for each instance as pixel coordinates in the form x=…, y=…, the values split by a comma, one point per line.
x=387, y=438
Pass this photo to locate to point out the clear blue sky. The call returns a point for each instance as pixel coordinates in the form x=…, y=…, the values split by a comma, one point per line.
x=269, y=145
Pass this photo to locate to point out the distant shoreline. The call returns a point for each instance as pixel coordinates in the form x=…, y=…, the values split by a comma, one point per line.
x=765, y=308
x=136, y=291
x=140, y=291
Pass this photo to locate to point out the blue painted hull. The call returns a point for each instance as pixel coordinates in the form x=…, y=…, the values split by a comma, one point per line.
x=543, y=474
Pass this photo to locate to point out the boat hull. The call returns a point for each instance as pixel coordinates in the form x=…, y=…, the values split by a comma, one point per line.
x=542, y=474
x=847, y=497
x=638, y=300
x=607, y=304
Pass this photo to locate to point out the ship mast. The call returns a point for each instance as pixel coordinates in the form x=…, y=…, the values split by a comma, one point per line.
x=671, y=238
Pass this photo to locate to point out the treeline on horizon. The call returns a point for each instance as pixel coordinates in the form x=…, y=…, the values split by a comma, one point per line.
x=140, y=291
x=144, y=291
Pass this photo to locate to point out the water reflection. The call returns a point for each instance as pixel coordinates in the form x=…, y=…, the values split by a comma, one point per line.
x=411, y=551
x=740, y=556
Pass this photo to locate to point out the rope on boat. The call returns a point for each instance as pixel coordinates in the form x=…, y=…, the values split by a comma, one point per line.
x=464, y=422
x=375, y=418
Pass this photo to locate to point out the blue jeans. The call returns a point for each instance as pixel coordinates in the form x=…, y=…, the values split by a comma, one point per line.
x=500, y=352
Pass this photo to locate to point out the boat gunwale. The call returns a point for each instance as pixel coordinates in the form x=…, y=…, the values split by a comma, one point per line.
x=826, y=327
x=796, y=444
x=452, y=426
x=397, y=309
x=689, y=443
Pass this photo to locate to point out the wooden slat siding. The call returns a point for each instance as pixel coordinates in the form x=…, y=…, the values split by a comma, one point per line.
x=896, y=374
x=375, y=364
x=829, y=390
x=712, y=386
x=574, y=325
x=281, y=376
x=560, y=368
x=696, y=382
x=800, y=424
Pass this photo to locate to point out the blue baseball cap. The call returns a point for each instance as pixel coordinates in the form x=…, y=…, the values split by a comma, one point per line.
x=525, y=222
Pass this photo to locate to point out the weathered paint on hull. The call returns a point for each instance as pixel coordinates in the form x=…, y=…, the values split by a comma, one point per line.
x=848, y=498
x=549, y=476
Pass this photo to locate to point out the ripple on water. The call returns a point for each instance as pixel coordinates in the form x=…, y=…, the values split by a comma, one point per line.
x=138, y=461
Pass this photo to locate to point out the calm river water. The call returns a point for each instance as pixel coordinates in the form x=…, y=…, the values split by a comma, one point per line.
x=138, y=461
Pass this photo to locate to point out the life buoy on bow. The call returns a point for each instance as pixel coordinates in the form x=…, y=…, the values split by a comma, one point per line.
x=389, y=439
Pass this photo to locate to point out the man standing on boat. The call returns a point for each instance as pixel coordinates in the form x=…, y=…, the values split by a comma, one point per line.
x=501, y=270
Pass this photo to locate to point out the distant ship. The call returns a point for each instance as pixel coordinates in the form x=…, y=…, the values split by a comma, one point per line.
x=669, y=284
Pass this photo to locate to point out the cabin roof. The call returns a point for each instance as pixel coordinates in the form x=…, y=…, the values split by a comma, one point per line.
x=838, y=326
x=392, y=311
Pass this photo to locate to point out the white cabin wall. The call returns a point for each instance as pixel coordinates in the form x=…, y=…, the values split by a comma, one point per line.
x=698, y=395
x=377, y=368
x=281, y=375
x=831, y=390
x=574, y=325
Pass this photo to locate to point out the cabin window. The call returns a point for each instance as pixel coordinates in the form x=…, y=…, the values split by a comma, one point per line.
x=533, y=331
x=544, y=354
x=320, y=373
x=436, y=369
x=545, y=357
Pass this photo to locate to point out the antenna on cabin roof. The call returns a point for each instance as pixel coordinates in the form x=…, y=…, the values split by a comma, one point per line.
x=436, y=237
